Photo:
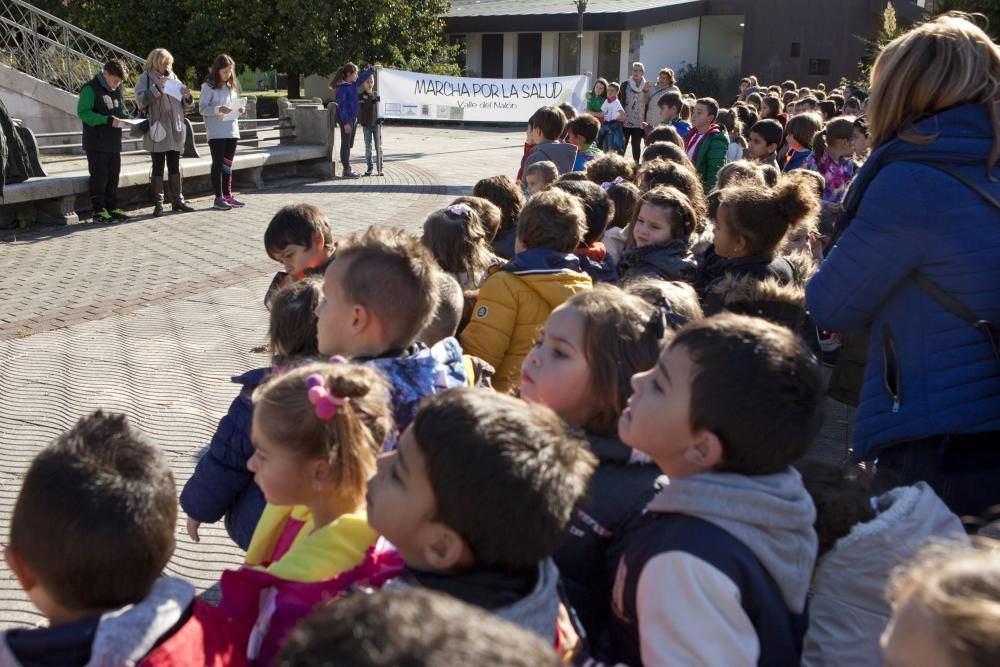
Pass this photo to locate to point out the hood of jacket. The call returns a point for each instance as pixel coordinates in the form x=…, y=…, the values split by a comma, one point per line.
x=563, y=155
x=769, y=298
x=671, y=258
x=772, y=515
x=124, y=636
x=553, y=275
x=252, y=378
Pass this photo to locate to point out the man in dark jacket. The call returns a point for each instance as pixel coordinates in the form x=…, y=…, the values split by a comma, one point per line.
x=100, y=107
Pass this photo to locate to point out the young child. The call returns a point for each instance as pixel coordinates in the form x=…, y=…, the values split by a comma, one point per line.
x=220, y=96
x=610, y=166
x=505, y=194
x=448, y=314
x=298, y=236
x=598, y=208
x=676, y=300
x=91, y=531
x=862, y=539
x=707, y=142
x=540, y=175
x=833, y=158
x=582, y=132
x=670, y=106
x=316, y=431
x=625, y=197
x=516, y=300
x=799, y=133
x=101, y=103
x=612, y=135
x=458, y=241
x=862, y=140
x=347, y=84
x=596, y=98
x=663, y=134
x=377, y=631
x=545, y=130
x=750, y=226
x=659, y=238
x=945, y=608
x=737, y=144
x=367, y=119
x=580, y=367
x=488, y=212
x=377, y=298
x=766, y=137
x=221, y=485
x=719, y=573
x=470, y=462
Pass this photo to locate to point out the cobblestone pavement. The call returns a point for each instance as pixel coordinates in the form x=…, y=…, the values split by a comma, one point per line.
x=152, y=317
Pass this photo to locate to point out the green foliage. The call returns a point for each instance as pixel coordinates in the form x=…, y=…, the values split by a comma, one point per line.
x=990, y=9
x=889, y=31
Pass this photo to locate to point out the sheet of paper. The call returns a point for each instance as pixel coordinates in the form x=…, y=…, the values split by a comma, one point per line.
x=131, y=121
x=234, y=114
x=173, y=88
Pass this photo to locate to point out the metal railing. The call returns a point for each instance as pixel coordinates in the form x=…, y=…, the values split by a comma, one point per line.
x=48, y=48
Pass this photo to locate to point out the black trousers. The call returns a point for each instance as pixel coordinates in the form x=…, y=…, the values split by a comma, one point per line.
x=347, y=143
x=223, y=151
x=636, y=135
x=172, y=160
x=104, y=169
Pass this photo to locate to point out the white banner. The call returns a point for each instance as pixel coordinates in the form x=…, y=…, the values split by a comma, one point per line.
x=432, y=97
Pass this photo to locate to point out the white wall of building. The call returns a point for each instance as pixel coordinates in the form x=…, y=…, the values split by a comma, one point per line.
x=550, y=54
x=672, y=45
x=510, y=55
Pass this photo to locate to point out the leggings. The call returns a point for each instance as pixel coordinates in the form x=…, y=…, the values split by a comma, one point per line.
x=173, y=160
x=636, y=135
x=223, y=151
x=347, y=143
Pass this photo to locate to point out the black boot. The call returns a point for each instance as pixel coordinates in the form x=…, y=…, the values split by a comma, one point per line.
x=157, y=184
x=177, y=195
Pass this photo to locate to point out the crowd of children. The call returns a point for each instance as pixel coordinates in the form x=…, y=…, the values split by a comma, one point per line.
x=570, y=419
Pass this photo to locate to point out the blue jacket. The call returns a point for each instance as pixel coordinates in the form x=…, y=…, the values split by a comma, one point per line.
x=928, y=371
x=796, y=159
x=348, y=103
x=221, y=484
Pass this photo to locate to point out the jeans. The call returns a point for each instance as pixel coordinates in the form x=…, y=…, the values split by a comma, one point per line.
x=172, y=160
x=104, y=169
x=369, y=133
x=636, y=135
x=347, y=143
x=964, y=470
x=223, y=151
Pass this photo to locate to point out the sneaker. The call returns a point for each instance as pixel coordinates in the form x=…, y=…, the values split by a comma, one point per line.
x=102, y=216
x=119, y=214
x=234, y=202
x=221, y=204
x=369, y=172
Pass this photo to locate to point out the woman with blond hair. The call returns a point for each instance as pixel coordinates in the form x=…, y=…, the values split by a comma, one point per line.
x=917, y=260
x=167, y=130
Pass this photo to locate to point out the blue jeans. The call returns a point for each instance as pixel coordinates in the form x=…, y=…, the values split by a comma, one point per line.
x=369, y=140
x=964, y=470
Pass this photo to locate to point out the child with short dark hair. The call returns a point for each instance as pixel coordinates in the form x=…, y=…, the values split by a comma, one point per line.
x=659, y=238
x=377, y=298
x=517, y=299
x=545, y=130
x=540, y=175
x=707, y=142
x=377, y=631
x=580, y=367
x=316, y=431
x=766, y=137
x=598, y=208
x=100, y=105
x=505, y=194
x=91, y=531
x=799, y=132
x=610, y=166
x=298, y=236
x=445, y=498
x=862, y=539
x=670, y=106
x=458, y=241
x=862, y=139
x=448, y=314
x=582, y=132
x=663, y=134
x=611, y=138
x=625, y=196
x=221, y=486
x=720, y=572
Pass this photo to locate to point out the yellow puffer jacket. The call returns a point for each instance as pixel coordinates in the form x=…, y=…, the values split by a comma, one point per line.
x=513, y=304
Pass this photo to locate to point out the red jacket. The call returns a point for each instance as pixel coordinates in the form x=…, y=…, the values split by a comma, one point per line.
x=197, y=642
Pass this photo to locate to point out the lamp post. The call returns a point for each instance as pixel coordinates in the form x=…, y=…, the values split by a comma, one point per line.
x=581, y=7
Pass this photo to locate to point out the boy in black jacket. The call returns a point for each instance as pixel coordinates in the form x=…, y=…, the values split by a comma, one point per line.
x=100, y=107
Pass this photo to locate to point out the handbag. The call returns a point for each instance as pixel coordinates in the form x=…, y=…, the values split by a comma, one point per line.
x=157, y=132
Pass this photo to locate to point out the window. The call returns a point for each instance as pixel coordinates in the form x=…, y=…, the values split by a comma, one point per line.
x=569, y=49
x=529, y=55
x=493, y=56
x=460, y=58
x=819, y=66
x=796, y=49
x=609, y=55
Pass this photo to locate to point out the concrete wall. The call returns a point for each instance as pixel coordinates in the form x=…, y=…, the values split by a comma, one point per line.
x=671, y=45
x=42, y=106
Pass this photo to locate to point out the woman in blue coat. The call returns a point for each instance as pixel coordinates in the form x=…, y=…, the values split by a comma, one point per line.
x=930, y=401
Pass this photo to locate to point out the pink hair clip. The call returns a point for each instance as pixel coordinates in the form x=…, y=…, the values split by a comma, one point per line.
x=323, y=400
x=461, y=210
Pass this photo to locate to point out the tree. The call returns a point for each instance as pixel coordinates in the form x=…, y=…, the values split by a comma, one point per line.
x=988, y=8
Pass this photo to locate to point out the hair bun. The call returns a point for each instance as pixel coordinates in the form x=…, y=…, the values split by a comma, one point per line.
x=349, y=382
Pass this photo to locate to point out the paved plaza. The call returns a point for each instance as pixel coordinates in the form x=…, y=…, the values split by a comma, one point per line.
x=152, y=317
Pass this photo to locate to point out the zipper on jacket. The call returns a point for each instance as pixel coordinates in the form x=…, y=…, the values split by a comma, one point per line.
x=891, y=374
